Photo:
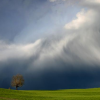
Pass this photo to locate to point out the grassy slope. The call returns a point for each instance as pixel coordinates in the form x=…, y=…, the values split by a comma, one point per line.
x=75, y=94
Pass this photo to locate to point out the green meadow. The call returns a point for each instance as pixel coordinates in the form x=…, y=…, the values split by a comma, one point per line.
x=70, y=94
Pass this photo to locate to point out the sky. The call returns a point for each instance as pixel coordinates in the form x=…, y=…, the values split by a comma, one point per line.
x=54, y=44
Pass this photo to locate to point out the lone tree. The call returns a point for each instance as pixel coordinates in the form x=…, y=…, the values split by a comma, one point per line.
x=17, y=81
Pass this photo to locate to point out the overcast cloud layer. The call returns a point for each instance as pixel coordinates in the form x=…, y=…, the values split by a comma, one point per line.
x=66, y=56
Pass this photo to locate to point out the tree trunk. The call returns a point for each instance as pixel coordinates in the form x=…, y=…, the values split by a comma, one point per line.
x=16, y=87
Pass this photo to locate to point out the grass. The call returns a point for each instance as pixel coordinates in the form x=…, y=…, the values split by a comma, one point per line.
x=71, y=94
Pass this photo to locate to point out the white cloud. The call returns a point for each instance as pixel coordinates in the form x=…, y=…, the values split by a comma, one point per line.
x=78, y=46
x=92, y=1
x=84, y=18
x=52, y=0
x=13, y=51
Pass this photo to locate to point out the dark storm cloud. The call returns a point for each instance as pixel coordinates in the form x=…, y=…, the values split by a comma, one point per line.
x=50, y=78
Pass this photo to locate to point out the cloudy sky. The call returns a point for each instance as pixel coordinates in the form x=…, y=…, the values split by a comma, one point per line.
x=54, y=44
